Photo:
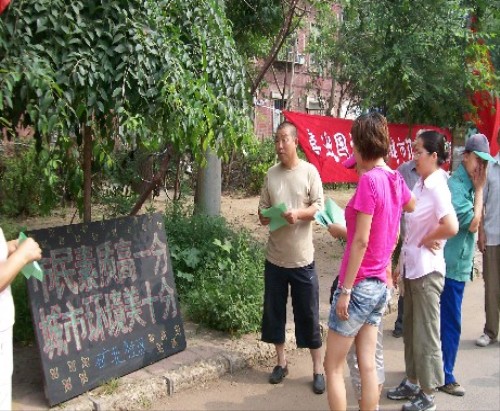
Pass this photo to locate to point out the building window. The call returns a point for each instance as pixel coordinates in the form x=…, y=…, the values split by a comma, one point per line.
x=315, y=105
x=279, y=105
x=289, y=52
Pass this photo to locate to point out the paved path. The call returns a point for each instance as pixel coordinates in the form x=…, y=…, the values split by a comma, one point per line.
x=478, y=369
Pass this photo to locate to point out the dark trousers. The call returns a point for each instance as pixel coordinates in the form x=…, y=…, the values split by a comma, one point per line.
x=398, y=325
x=451, y=325
x=304, y=287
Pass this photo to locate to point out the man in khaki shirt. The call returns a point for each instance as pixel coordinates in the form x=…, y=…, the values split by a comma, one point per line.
x=290, y=255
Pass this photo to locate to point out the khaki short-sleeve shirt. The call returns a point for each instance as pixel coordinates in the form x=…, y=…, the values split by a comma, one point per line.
x=291, y=246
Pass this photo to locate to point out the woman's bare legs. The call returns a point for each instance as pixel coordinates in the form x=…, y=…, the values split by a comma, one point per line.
x=366, y=342
x=337, y=347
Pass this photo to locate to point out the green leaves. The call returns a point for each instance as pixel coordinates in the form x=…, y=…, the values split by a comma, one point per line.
x=204, y=86
x=144, y=72
x=126, y=59
x=409, y=59
x=254, y=24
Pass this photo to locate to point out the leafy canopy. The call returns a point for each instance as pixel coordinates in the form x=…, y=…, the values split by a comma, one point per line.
x=147, y=72
x=255, y=23
x=413, y=60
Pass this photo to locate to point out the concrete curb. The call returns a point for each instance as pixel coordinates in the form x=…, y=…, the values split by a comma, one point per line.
x=141, y=388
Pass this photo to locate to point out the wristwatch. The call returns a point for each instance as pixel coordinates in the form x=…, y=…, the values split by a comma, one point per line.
x=346, y=291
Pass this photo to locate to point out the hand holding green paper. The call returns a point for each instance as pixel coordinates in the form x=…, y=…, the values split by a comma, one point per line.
x=32, y=269
x=331, y=214
x=275, y=214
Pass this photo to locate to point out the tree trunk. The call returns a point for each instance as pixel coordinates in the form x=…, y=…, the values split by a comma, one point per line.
x=144, y=165
x=156, y=181
x=331, y=100
x=207, y=198
x=87, y=173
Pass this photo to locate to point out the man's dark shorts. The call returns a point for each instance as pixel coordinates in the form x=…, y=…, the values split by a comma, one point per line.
x=304, y=287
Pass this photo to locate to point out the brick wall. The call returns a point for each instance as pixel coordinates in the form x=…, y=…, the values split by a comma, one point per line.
x=302, y=87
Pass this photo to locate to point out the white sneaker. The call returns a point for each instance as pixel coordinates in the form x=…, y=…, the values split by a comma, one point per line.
x=485, y=340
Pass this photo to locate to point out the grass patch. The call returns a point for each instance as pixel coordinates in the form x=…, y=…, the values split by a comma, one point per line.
x=110, y=387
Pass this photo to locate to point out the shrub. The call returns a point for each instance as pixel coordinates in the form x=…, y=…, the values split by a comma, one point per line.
x=23, y=328
x=339, y=186
x=229, y=291
x=219, y=272
x=262, y=158
x=10, y=229
x=26, y=185
x=117, y=202
x=246, y=171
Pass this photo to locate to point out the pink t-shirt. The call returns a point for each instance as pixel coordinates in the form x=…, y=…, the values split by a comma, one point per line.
x=381, y=193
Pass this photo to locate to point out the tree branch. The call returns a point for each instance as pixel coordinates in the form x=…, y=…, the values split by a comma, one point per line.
x=155, y=182
x=285, y=30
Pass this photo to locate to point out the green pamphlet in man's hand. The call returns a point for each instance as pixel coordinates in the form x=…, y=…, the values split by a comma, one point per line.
x=32, y=269
x=275, y=214
x=332, y=214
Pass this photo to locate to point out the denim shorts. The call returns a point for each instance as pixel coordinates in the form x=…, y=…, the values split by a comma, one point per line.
x=367, y=305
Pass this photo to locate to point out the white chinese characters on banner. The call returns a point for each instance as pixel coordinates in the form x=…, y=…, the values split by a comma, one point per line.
x=313, y=142
x=327, y=142
x=341, y=144
x=336, y=147
x=403, y=149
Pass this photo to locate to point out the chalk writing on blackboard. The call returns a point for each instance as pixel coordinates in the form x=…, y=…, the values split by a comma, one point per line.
x=107, y=304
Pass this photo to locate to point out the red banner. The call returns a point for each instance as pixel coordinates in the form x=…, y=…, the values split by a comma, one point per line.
x=487, y=118
x=3, y=5
x=326, y=142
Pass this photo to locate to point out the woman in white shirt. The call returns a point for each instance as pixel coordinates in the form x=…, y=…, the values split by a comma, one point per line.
x=423, y=267
x=13, y=257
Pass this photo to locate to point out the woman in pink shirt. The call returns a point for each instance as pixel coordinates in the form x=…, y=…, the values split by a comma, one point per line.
x=372, y=217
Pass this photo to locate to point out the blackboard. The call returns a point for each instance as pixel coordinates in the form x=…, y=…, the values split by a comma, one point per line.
x=107, y=305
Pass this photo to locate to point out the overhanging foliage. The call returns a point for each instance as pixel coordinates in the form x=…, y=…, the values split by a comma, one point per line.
x=150, y=73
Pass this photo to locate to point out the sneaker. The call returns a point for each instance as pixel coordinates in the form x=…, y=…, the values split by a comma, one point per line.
x=485, y=340
x=402, y=392
x=453, y=388
x=318, y=383
x=420, y=402
x=397, y=333
x=278, y=374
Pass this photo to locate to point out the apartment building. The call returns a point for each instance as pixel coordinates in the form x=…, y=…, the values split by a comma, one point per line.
x=291, y=83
